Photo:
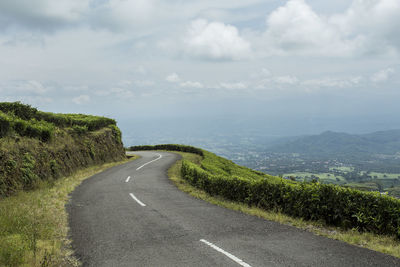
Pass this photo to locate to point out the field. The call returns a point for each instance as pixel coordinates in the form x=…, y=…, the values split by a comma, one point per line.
x=342, y=169
x=382, y=182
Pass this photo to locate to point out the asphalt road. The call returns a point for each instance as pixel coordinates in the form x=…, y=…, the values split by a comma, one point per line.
x=144, y=220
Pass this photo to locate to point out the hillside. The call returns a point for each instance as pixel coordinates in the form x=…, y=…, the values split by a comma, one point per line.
x=333, y=143
x=38, y=147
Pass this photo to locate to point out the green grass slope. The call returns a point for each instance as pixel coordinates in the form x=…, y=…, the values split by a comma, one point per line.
x=38, y=147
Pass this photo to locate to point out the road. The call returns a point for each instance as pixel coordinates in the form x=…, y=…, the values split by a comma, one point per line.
x=133, y=215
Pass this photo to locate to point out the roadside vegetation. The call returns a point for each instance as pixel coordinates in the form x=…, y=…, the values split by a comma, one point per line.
x=38, y=149
x=34, y=224
x=360, y=218
x=38, y=146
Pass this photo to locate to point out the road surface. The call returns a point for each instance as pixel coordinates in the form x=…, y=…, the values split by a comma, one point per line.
x=133, y=215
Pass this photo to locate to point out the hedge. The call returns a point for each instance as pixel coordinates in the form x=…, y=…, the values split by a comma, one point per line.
x=69, y=120
x=36, y=129
x=27, y=113
x=331, y=204
x=171, y=147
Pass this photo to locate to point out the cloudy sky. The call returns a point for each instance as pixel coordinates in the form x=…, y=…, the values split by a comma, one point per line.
x=271, y=59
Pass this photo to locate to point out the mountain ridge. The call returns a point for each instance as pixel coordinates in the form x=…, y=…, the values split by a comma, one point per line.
x=330, y=142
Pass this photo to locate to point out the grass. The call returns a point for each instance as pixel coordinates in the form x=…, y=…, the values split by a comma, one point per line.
x=34, y=224
x=385, y=244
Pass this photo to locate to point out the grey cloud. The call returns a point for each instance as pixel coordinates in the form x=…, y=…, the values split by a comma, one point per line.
x=41, y=15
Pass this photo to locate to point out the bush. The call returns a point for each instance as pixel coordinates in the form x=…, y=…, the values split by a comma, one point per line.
x=5, y=124
x=80, y=129
x=71, y=120
x=25, y=112
x=334, y=205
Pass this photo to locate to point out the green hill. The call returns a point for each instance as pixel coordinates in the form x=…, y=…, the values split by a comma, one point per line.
x=37, y=147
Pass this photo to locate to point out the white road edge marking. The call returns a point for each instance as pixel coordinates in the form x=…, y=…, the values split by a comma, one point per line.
x=229, y=255
x=127, y=179
x=159, y=157
x=137, y=200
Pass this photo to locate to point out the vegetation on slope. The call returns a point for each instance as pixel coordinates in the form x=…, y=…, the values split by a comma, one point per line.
x=34, y=224
x=382, y=243
x=38, y=146
x=37, y=151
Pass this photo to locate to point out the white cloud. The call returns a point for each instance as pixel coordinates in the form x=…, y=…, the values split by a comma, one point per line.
x=366, y=26
x=144, y=83
x=191, y=84
x=215, y=40
x=296, y=29
x=382, y=75
x=82, y=99
x=287, y=79
x=232, y=86
x=173, y=78
x=378, y=20
x=31, y=87
x=333, y=82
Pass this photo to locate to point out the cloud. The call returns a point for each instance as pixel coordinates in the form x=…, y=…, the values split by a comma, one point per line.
x=288, y=79
x=232, y=86
x=191, y=84
x=173, y=78
x=31, y=87
x=333, y=82
x=144, y=83
x=382, y=75
x=117, y=15
x=82, y=99
x=366, y=26
x=43, y=15
x=215, y=40
x=296, y=29
x=377, y=20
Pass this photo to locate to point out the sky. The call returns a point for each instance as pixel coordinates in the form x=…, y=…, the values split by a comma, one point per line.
x=297, y=66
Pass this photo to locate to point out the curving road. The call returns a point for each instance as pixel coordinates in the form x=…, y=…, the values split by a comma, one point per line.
x=132, y=215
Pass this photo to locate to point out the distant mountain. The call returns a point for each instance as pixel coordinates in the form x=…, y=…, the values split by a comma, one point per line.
x=334, y=143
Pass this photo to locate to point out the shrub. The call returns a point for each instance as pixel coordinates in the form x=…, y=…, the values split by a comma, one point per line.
x=25, y=112
x=334, y=205
x=80, y=129
x=5, y=124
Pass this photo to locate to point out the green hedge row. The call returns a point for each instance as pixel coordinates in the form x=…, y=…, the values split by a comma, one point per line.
x=69, y=120
x=334, y=205
x=171, y=147
x=36, y=129
x=22, y=111
x=26, y=112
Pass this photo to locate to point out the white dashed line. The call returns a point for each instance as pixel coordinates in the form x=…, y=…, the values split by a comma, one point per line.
x=137, y=200
x=159, y=157
x=229, y=255
x=127, y=179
